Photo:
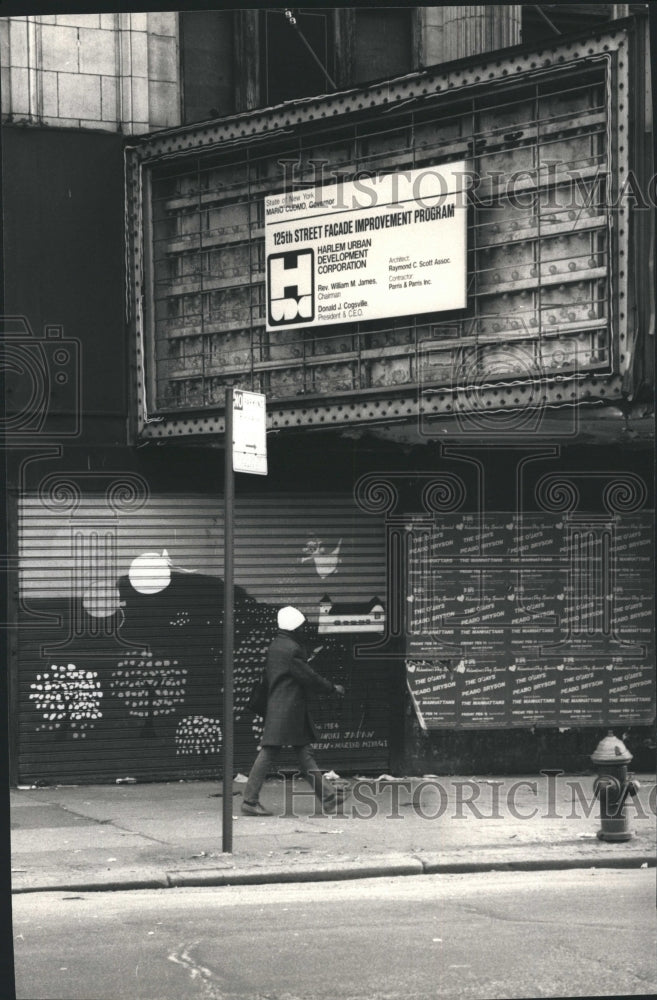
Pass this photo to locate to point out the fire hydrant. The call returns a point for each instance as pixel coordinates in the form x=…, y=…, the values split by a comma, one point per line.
x=612, y=786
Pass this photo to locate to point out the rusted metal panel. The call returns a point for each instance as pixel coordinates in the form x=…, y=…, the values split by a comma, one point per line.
x=547, y=302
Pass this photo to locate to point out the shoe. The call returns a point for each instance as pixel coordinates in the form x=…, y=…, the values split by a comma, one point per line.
x=254, y=809
x=336, y=799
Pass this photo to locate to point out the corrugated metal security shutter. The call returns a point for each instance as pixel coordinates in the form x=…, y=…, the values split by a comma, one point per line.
x=118, y=680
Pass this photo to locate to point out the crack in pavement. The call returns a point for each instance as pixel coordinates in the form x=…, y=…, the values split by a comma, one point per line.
x=111, y=822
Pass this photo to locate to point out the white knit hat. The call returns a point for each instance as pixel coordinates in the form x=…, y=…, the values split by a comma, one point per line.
x=290, y=618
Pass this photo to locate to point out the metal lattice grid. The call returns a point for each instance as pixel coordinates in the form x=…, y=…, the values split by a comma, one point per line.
x=371, y=371
x=539, y=271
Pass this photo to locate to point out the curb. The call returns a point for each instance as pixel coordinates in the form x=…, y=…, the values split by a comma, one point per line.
x=311, y=873
x=123, y=885
x=536, y=864
x=413, y=866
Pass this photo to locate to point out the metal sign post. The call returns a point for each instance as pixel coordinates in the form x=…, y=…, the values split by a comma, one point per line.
x=229, y=503
x=245, y=450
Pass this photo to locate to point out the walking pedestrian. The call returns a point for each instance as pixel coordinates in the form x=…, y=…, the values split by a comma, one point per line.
x=287, y=719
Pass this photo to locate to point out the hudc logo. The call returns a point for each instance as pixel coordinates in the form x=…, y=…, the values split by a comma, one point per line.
x=291, y=287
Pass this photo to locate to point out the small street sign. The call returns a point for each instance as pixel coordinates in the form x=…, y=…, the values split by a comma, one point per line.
x=249, y=432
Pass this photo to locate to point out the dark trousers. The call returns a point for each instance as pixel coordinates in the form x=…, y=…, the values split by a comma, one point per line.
x=266, y=762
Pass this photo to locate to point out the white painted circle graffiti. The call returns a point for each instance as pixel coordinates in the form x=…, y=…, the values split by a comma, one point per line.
x=150, y=572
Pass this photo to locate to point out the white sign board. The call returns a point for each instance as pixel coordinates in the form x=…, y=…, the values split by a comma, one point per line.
x=249, y=432
x=367, y=249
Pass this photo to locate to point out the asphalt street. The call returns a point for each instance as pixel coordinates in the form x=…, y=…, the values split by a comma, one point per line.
x=588, y=932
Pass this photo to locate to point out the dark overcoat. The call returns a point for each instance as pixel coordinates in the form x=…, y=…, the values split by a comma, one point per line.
x=290, y=678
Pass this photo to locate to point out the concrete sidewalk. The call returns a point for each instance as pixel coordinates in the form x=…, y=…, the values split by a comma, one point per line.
x=88, y=838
